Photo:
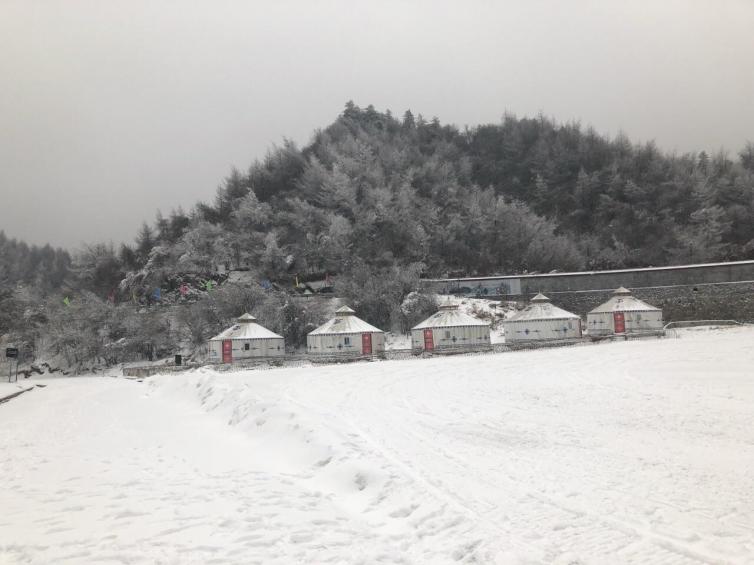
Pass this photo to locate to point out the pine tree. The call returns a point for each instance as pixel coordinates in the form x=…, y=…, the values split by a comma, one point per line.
x=408, y=120
x=144, y=242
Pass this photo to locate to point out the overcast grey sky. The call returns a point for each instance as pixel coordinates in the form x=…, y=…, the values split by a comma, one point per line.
x=110, y=110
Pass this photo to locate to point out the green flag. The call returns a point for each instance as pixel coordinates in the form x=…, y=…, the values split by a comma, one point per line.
x=208, y=285
x=67, y=301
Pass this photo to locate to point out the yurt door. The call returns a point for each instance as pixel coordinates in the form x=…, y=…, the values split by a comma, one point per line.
x=429, y=340
x=366, y=343
x=619, y=320
x=227, y=351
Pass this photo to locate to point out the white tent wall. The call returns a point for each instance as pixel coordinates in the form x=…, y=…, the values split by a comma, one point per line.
x=541, y=330
x=346, y=344
x=215, y=351
x=247, y=348
x=453, y=337
x=603, y=323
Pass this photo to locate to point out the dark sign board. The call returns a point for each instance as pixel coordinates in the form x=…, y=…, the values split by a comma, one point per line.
x=11, y=352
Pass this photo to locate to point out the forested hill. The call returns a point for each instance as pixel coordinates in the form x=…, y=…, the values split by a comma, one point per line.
x=523, y=195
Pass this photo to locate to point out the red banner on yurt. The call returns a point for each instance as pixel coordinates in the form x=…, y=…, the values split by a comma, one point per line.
x=227, y=351
x=429, y=340
x=619, y=320
x=366, y=343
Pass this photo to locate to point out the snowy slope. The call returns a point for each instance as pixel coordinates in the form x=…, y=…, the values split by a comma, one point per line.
x=631, y=452
x=493, y=311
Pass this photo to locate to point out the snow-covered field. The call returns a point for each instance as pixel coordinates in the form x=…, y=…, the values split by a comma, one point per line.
x=631, y=452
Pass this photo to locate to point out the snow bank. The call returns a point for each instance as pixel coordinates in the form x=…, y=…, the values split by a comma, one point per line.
x=629, y=452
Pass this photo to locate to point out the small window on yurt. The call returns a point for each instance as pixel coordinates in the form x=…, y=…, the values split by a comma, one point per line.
x=347, y=341
x=246, y=346
x=447, y=334
x=638, y=317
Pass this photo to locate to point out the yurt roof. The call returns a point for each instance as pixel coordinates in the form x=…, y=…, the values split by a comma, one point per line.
x=449, y=316
x=246, y=327
x=246, y=318
x=540, y=308
x=623, y=301
x=345, y=322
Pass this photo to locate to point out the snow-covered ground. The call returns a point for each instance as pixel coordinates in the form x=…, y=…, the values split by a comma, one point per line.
x=397, y=341
x=631, y=452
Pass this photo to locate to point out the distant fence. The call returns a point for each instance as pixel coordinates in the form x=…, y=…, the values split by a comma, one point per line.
x=149, y=370
x=672, y=327
x=305, y=360
x=697, y=323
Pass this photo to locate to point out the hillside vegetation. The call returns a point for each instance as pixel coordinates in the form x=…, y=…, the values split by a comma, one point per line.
x=379, y=201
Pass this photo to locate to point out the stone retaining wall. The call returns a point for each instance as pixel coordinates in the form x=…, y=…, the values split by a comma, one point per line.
x=552, y=283
x=716, y=301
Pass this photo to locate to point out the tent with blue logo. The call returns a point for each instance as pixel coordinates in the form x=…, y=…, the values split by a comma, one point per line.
x=541, y=321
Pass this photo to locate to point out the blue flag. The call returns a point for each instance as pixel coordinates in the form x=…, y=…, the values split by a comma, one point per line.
x=157, y=294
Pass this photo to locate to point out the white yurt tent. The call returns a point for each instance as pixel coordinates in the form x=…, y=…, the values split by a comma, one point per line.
x=346, y=335
x=449, y=328
x=541, y=321
x=246, y=339
x=623, y=314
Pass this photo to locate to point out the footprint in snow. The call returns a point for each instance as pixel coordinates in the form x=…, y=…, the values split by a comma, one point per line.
x=404, y=512
x=360, y=481
x=324, y=462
